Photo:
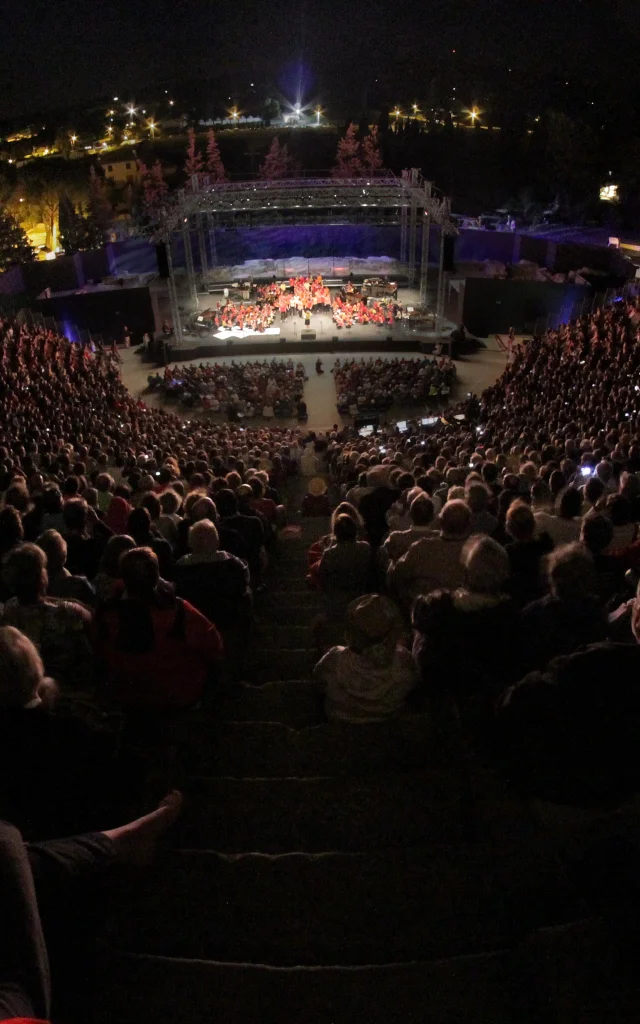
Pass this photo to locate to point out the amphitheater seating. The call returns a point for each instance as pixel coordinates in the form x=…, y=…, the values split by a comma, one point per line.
x=331, y=873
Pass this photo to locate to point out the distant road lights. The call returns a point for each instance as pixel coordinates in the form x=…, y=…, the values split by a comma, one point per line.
x=474, y=115
x=115, y=99
x=318, y=113
x=152, y=128
x=74, y=139
x=416, y=109
x=170, y=103
x=234, y=115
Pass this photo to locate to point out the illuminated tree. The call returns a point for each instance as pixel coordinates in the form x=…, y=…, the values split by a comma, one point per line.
x=99, y=206
x=348, y=163
x=371, y=155
x=276, y=162
x=193, y=163
x=77, y=232
x=14, y=245
x=214, y=165
x=155, y=192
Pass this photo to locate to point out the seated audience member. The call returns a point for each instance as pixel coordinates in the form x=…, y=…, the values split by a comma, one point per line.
x=61, y=582
x=526, y=553
x=11, y=531
x=625, y=531
x=421, y=514
x=569, y=733
x=44, y=890
x=570, y=615
x=597, y=535
x=370, y=679
x=52, y=505
x=139, y=527
x=434, y=562
x=60, y=775
x=343, y=571
x=158, y=652
x=465, y=640
x=356, y=493
x=374, y=506
x=564, y=526
x=11, y=534
x=248, y=527
x=265, y=506
x=213, y=581
x=478, y=497
x=117, y=517
x=108, y=581
x=59, y=629
x=316, y=501
x=105, y=485
x=169, y=520
x=86, y=538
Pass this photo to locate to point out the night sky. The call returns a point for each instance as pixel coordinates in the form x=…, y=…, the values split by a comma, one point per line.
x=63, y=53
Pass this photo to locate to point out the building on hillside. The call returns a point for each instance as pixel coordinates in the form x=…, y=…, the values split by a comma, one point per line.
x=122, y=172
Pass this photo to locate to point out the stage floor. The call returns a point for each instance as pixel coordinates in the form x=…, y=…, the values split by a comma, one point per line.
x=289, y=336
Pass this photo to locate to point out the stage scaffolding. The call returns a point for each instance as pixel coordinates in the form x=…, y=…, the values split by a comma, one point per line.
x=204, y=201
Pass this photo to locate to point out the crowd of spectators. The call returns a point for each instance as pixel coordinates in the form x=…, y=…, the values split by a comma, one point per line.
x=240, y=390
x=376, y=384
x=482, y=563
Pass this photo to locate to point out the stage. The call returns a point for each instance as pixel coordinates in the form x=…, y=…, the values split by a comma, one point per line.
x=293, y=336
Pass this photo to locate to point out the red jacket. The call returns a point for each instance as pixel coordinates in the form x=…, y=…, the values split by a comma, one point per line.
x=174, y=672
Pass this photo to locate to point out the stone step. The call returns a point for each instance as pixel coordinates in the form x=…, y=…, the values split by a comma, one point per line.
x=295, y=703
x=163, y=990
x=394, y=905
x=265, y=664
x=283, y=636
x=322, y=814
x=250, y=749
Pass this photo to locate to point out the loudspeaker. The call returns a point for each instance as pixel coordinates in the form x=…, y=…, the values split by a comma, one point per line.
x=308, y=335
x=449, y=249
x=163, y=264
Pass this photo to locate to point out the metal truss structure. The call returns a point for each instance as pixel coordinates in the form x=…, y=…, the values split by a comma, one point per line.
x=205, y=201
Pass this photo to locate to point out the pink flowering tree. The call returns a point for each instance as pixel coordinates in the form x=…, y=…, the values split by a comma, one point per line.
x=371, y=155
x=276, y=162
x=213, y=164
x=348, y=163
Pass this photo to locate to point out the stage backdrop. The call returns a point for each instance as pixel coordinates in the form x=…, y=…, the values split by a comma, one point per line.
x=493, y=306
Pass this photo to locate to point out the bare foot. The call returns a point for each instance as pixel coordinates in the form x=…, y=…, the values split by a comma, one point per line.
x=135, y=843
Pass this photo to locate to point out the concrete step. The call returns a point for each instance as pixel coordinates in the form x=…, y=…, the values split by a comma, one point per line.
x=320, y=814
x=251, y=749
x=271, y=663
x=295, y=703
x=163, y=990
x=389, y=906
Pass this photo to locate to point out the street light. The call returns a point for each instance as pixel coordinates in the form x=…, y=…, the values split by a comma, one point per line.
x=318, y=113
x=152, y=128
x=74, y=139
x=415, y=108
x=474, y=115
x=131, y=109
